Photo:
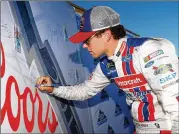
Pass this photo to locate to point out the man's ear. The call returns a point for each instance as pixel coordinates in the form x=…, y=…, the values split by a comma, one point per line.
x=107, y=35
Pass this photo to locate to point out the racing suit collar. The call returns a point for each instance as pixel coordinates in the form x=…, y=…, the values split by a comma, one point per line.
x=116, y=54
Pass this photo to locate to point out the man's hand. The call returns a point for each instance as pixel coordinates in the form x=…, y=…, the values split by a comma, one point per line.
x=43, y=80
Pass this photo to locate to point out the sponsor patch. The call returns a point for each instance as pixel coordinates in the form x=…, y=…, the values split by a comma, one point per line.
x=168, y=78
x=149, y=64
x=138, y=95
x=152, y=55
x=141, y=125
x=164, y=68
x=118, y=53
x=110, y=65
x=162, y=57
x=171, y=83
x=127, y=58
x=130, y=81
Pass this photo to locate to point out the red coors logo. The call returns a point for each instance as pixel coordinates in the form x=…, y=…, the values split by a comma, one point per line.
x=36, y=118
x=131, y=81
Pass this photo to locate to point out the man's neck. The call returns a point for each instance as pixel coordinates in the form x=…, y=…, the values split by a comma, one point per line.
x=111, y=47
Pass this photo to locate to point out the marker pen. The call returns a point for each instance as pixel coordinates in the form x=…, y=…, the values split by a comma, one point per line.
x=48, y=85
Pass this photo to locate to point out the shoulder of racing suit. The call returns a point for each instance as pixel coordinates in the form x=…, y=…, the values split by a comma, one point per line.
x=108, y=66
x=157, y=43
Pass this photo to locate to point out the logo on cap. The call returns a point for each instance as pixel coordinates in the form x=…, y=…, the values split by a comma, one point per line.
x=82, y=23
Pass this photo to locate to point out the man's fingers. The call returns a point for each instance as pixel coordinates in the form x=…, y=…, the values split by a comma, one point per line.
x=41, y=80
x=44, y=80
x=47, y=89
x=41, y=88
x=38, y=81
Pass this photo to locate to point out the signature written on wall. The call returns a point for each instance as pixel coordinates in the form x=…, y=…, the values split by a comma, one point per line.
x=14, y=120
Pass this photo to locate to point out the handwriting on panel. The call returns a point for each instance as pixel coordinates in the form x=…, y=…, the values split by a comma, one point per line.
x=14, y=121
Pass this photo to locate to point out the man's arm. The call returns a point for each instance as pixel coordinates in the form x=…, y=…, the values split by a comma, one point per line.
x=162, y=75
x=86, y=90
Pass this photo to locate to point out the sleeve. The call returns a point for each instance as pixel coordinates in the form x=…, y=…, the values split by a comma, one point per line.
x=159, y=64
x=96, y=82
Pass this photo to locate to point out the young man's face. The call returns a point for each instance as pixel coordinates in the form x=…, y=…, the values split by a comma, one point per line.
x=95, y=46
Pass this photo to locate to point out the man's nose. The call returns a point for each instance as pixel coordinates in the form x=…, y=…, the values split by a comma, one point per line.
x=85, y=45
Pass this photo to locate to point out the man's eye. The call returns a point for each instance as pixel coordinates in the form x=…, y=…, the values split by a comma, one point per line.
x=86, y=42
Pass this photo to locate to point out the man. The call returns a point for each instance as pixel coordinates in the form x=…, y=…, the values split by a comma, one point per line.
x=146, y=69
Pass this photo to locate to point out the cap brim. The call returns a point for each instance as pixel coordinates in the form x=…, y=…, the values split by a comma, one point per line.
x=81, y=36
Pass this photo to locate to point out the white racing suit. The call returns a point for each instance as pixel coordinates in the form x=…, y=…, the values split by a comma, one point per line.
x=146, y=69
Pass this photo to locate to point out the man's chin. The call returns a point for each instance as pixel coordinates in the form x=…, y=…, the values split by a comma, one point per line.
x=95, y=56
